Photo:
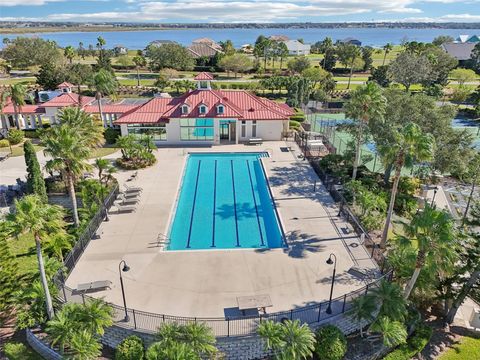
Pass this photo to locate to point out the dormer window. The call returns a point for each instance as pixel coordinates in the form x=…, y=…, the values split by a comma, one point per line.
x=204, y=85
x=185, y=109
x=202, y=109
x=220, y=109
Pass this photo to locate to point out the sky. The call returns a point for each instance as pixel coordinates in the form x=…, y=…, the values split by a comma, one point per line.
x=190, y=11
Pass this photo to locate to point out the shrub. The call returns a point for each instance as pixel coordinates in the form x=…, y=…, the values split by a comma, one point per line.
x=131, y=348
x=111, y=135
x=294, y=125
x=17, y=351
x=413, y=346
x=331, y=343
x=4, y=143
x=408, y=186
x=299, y=118
x=15, y=136
x=30, y=134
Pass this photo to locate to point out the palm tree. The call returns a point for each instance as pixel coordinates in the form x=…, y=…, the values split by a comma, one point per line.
x=393, y=332
x=62, y=327
x=58, y=244
x=389, y=297
x=139, y=62
x=410, y=145
x=102, y=166
x=432, y=233
x=68, y=155
x=95, y=316
x=69, y=145
x=84, y=346
x=172, y=351
x=105, y=84
x=386, y=48
x=69, y=53
x=366, y=102
x=42, y=221
x=289, y=340
x=362, y=309
x=17, y=94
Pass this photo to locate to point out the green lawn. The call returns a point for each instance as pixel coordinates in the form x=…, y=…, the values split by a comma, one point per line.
x=104, y=151
x=18, y=149
x=23, y=81
x=468, y=348
x=24, y=249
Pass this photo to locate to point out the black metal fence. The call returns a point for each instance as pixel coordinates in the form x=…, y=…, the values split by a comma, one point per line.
x=228, y=326
x=222, y=326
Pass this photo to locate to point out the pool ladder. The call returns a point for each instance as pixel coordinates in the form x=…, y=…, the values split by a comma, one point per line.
x=162, y=240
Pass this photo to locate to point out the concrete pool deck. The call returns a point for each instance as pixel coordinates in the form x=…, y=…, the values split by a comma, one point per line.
x=206, y=283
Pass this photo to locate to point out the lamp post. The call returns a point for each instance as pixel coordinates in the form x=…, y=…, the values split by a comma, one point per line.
x=121, y=269
x=435, y=189
x=330, y=262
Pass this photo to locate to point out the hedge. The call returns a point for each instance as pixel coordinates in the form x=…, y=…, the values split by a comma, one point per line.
x=131, y=348
x=15, y=136
x=299, y=118
x=4, y=143
x=413, y=346
x=331, y=343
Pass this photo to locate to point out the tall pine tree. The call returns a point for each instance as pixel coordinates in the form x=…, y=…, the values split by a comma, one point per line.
x=35, y=180
x=8, y=274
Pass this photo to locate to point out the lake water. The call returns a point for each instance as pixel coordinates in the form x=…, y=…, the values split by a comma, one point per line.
x=140, y=39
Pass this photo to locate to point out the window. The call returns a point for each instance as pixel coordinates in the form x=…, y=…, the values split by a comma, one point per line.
x=202, y=109
x=158, y=131
x=184, y=109
x=244, y=129
x=220, y=109
x=254, y=128
x=196, y=129
x=203, y=85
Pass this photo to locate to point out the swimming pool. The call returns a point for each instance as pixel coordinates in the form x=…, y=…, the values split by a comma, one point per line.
x=224, y=203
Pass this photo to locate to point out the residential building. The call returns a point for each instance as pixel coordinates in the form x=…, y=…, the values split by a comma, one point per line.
x=207, y=116
x=202, y=116
x=120, y=50
x=467, y=39
x=209, y=42
x=203, y=50
x=161, y=42
x=295, y=47
x=282, y=38
x=459, y=50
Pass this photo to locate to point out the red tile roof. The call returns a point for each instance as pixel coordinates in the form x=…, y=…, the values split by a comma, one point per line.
x=25, y=109
x=237, y=104
x=110, y=108
x=204, y=76
x=68, y=99
x=65, y=85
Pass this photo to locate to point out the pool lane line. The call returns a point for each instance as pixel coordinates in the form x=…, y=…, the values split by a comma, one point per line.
x=193, y=206
x=214, y=203
x=255, y=202
x=235, y=204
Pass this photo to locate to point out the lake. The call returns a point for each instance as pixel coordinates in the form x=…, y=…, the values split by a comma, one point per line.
x=140, y=39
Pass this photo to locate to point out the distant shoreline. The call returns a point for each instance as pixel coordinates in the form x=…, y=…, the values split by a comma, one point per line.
x=33, y=28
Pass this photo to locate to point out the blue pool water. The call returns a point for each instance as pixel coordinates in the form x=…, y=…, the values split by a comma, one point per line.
x=224, y=203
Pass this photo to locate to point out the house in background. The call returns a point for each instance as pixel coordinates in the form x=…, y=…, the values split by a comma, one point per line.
x=282, y=38
x=161, y=42
x=467, y=39
x=350, y=40
x=207, y=117
x=120, y=50
x=295, y=47
x=461, y=51
x=209, y=42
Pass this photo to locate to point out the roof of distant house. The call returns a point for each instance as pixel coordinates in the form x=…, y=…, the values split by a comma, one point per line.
x=25, y=109
x=202, y=50
x=204, y=76
x=68, y=99
x=295, y=45
x=65, y=84
x=162, y=42
x=460, y=51
x=236, y=104
x=279, y=38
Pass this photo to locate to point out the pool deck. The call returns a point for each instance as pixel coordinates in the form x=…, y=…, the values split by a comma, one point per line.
x=206, y=283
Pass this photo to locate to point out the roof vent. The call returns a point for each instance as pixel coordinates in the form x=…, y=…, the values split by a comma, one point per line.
x=251, y=109
x=225, y=98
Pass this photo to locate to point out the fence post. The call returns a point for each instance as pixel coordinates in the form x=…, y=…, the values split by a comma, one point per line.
x=83, y=299
x=134, y=319
x=344, y=302
x=319, y=312
x=366, y=289
x=228, y=327
x=291, y=314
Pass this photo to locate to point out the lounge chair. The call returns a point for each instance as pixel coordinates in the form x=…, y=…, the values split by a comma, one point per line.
x=94, y=285
x=132, y=188
x=126, y=201
x=129, y=194
x=255, y=141
x=124, y=208
x=134, y=176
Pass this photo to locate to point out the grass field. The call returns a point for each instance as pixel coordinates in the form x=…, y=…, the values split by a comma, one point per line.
x=104, y=151
x=468, y=348
x=24, y=249
x=17, y=150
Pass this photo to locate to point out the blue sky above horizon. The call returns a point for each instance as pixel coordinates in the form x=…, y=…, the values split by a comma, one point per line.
x=189, y=11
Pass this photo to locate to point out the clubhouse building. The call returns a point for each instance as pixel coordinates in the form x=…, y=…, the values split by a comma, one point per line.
x=200, y=116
